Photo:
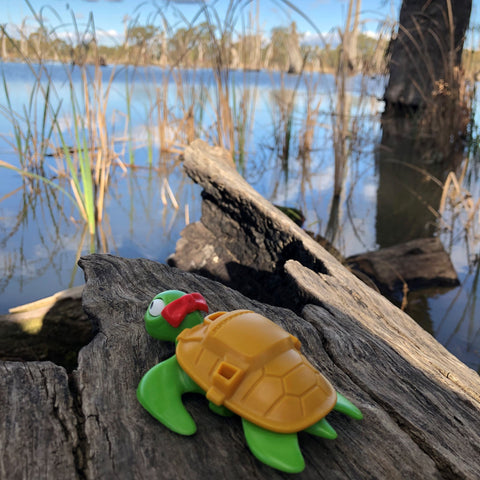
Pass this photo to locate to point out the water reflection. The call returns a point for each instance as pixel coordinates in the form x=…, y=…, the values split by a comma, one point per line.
x=409, y=186
x=41, y=244
x=292, y=131
x=409, y=192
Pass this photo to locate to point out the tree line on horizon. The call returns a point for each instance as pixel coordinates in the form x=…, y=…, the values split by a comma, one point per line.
x=200, y=46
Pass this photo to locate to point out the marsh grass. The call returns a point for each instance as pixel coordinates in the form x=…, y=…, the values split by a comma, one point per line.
x=81, y=141
x=33, y=127
x=87, y=144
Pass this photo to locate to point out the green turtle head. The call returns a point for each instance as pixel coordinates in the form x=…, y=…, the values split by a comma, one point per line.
x=172, y=311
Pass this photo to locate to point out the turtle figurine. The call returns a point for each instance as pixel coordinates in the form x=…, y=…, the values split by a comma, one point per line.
x=244, y=363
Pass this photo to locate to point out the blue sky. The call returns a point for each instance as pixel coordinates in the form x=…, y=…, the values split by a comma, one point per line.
x=110, y=15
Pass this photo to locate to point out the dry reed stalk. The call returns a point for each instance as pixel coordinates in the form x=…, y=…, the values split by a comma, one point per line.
x=162, y=115
x=405, y=291
x=460, y=199
x=166, y=190
x=10, y=194
x=224, y=120
x=307, y=135
x=96, y=103
x=79, y=201
x=173, y=200
x=343, y=128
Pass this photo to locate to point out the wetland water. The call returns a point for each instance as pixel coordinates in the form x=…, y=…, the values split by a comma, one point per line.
x=382, y=203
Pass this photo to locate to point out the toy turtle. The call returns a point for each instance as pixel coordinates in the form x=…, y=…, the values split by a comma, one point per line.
x=245, y=364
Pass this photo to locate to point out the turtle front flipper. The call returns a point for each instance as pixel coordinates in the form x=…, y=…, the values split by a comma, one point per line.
x=278, y=450
x=347, y=407
x=160, y=393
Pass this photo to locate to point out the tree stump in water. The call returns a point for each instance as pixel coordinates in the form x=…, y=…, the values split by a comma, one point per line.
x=421, y=405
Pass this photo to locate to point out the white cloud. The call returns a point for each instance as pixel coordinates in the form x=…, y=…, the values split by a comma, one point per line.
x=103, y=36
x=321, y=39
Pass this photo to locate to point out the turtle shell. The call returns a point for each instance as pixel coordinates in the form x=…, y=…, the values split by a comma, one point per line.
x=254, y=367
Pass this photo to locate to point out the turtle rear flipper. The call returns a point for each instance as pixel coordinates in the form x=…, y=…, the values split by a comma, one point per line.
x=160, y=393
x=278, y=450
x=345, y=406
x=322, y=429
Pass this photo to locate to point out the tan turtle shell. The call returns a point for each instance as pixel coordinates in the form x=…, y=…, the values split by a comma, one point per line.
x=254, y=367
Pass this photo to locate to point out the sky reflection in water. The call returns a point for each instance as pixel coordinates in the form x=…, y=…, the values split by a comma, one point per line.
x=41, y=231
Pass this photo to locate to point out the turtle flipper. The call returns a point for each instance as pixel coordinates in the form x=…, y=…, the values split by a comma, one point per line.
x=278, y=450
x=322, y=429
x=347, y=407
x=160, y=393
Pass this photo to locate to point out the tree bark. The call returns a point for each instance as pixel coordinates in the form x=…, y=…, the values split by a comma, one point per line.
x=427, y=49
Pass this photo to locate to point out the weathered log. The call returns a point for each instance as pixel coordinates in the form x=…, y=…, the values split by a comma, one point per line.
x=419, y=422
x=417, y=264
x=103, y=430
x=247, y=243
x=421, y=405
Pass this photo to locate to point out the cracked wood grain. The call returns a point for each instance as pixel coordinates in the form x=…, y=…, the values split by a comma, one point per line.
x=38, y=429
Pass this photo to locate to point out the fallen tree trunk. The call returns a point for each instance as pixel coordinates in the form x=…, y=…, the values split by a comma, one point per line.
x=421, y=405
x=248, y=244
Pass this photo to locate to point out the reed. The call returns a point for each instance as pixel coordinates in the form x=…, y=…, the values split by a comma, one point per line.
x=313, y=102
x=283, y=111
x=458, y=204
x=93, y=152
x=32, y=128
x=343, y=132
x=131, y=156
x=85, y=145
x=243, y=114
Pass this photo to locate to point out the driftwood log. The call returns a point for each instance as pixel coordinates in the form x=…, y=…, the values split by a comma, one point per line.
x=421, y=405
x=416, y=264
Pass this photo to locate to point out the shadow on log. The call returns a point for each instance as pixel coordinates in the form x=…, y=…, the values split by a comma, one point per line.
x=54, y=328
x=421, y=405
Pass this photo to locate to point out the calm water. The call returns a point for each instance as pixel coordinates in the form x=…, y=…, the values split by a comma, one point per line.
x=42, y=234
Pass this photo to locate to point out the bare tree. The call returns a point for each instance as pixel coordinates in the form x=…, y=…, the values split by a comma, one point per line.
x=295, y=59
x=349, y=58
x=4, y=41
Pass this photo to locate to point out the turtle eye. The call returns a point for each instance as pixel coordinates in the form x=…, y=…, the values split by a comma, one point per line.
x=156, y=307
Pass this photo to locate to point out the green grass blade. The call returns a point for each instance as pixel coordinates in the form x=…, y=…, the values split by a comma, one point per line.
x=87, y=181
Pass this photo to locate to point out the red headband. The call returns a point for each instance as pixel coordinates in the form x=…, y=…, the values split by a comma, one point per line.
x=176, y=311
